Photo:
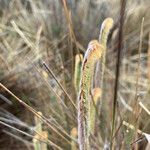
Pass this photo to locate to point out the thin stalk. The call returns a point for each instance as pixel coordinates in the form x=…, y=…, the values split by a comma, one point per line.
x=27, y=134
x=50, y=71
x=42, y=117
x=120, y=39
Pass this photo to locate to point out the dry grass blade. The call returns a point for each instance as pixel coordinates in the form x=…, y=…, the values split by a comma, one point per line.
x=50, y=71
x=22, y=132
x=44, y=119
x=144, y=108
x=58, y=32
x=148, y=64
x=27, y=143
x=135, y=106
x=139, y=64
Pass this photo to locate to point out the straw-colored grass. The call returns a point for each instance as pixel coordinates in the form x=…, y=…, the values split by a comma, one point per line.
x=40, y=41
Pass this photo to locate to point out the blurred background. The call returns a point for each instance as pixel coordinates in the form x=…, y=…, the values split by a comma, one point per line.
x=54, y=32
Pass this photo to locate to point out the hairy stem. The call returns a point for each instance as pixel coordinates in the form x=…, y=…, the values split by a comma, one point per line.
x=93, y=53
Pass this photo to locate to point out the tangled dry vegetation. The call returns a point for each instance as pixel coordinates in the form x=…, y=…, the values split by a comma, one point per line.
x=42, y=46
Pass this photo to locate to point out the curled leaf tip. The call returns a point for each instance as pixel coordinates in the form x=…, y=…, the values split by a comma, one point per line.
x=94, y=51
x=108, y=23
x=105, y=29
